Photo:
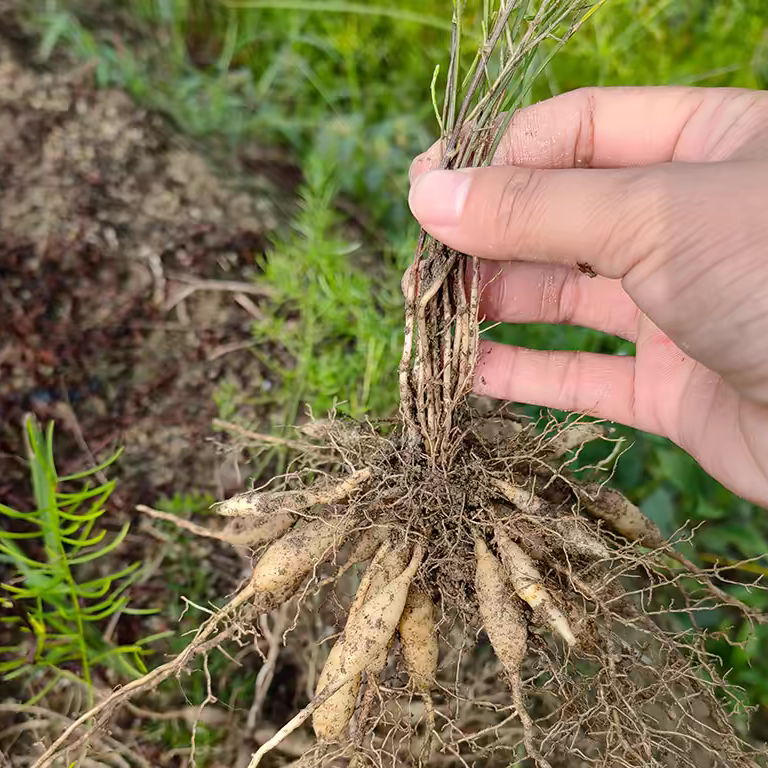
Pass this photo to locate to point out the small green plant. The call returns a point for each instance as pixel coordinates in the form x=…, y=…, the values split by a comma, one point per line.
x=335, y=317
x=61, y=590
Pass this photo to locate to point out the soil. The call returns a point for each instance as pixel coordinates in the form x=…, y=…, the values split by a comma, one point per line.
x=128, y=283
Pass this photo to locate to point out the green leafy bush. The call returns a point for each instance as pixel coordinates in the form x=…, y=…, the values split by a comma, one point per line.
x=338, y=318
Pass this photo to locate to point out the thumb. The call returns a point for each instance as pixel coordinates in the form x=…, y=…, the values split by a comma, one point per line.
x=566, y=216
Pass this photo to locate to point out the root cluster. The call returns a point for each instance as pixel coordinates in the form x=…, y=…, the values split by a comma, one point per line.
x=590, y=612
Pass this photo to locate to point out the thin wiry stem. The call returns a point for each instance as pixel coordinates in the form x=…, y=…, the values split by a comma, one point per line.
x=434, y=381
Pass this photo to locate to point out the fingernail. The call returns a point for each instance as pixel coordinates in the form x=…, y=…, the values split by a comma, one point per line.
x=417, y=166
x=423, y=163
x=437, y=198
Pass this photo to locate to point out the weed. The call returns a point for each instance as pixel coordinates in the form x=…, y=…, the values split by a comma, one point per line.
x=58, y=595
x=336, y=320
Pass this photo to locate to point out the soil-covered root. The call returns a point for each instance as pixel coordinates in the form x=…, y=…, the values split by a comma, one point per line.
x=241, y=531
x=573, y=437
x=507, y=630
x=420, y=649
x=331, y=721
x=287, y=561
x=622, y=516
x=418, y=636
x=625, y=518
x=369, y=631
x=264, y=504
x=529, y=585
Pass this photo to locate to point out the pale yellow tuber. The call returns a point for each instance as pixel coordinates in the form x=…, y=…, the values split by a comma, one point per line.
x=505, y=624
x=528, y=585
x=418, y=635
x=288, y=560
x=621, y=515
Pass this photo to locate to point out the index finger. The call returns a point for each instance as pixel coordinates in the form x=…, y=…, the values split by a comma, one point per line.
x=605, y=128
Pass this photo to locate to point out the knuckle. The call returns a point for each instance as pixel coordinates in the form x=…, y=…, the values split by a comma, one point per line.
x=570, y=379
x=635, y=229
x=584, y=139
x=518, y=206
x=568, y=297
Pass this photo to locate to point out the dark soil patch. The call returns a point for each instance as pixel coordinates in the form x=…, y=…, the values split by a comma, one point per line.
x=107, y=222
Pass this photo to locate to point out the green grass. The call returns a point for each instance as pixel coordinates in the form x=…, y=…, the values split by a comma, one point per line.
x=346, y=89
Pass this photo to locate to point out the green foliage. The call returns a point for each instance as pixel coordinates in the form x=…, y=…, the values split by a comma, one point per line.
x=338, y=318
x=186, y=504
x=59, y=595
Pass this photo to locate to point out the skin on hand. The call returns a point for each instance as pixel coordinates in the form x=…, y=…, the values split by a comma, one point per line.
x=664, y=193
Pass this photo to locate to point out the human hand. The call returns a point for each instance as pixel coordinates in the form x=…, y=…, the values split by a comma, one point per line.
x=663, y=192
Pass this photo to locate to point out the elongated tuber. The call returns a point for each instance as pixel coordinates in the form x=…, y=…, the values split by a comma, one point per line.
x=528, y=585
x=418, y=635
x=372, y=627
x=574, y=436
x=288, y=560
x=621, y=515
x=505, y=624
x=330, y=721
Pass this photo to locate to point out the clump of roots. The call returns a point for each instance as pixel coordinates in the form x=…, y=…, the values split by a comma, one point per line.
x=582, y=600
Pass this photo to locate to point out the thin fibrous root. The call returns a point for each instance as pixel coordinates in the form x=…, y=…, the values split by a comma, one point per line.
x=529, y=586
x=626, y=519
x=179, y=522
x=506, y=627
x=152, y=679
x=706, y=582
x=270, y=503
x=263, y=439
x=298, y=720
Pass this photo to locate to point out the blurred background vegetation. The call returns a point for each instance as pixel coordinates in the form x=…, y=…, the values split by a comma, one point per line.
x=342, y=90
